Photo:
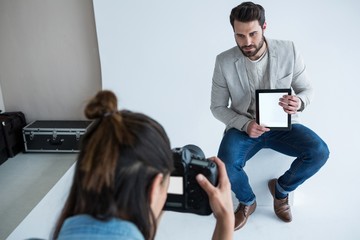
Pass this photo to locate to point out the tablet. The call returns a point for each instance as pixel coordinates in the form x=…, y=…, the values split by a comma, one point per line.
x=268, y=111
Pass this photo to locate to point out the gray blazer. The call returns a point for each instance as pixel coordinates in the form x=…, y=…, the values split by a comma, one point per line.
x=230, y=83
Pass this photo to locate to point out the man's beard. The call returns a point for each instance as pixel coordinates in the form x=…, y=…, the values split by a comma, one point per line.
x=254, y=49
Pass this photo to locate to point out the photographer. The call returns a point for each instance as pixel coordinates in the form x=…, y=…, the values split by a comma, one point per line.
x=122, y=176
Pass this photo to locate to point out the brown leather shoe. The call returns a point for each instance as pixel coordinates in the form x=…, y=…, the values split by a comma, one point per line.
x=242, y=214
x=281, y=206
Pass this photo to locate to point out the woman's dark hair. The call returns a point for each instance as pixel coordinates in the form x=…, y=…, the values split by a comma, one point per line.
x=120, y=156
x=247, y=12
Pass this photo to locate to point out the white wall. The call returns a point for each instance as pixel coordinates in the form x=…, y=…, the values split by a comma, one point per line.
x=49, y=60
x=158, y=56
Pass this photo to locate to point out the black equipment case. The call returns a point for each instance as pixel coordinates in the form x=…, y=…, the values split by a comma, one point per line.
x=3, y=149
x=11, y=141
x=54, y=136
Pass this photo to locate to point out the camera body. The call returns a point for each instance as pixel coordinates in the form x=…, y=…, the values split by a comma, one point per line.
x=185, y=194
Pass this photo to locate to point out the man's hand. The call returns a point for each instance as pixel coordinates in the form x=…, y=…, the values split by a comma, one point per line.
x=255, y=130
x=290, y=103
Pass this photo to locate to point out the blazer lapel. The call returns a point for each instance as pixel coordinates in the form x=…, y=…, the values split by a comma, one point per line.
x=273, y=64
x=241, y=70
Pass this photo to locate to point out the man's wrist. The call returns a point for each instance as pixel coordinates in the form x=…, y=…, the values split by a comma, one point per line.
x=301, y=105
x=244, y=128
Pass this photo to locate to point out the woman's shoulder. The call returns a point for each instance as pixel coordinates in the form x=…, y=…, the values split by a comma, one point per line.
x=86, y=226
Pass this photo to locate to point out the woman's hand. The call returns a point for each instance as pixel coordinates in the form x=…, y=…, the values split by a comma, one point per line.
x=220, y=201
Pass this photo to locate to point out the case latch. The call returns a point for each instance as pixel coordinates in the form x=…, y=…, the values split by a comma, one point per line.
x=32, y=135
x=54, y=135
x=77, y=136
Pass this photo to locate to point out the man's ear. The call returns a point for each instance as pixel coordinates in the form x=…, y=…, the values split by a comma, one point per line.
x=264, y=26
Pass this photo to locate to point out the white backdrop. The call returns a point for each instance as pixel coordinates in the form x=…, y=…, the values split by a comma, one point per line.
x=158, y=56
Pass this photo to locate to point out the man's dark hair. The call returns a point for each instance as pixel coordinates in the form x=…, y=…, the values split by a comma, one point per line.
x=247, y=12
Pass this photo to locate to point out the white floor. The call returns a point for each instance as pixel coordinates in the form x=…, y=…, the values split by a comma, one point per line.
x=318, y=211
x=24, y=181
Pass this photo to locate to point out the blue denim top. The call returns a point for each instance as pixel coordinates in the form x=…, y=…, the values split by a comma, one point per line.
x=87, y=227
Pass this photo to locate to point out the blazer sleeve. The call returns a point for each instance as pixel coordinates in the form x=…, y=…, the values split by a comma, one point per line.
x=220, y=99
x=300, y=83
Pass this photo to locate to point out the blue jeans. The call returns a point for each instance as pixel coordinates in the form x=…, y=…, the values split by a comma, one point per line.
x=309, y=150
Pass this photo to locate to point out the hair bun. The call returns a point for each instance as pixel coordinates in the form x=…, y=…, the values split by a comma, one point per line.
x=103, y=104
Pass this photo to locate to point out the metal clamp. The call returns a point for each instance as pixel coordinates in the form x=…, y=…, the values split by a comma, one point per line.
x=32, y=135
x=77, y=136
x=54, y=135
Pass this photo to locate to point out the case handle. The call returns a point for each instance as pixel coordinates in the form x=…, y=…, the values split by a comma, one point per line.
x=55, y=141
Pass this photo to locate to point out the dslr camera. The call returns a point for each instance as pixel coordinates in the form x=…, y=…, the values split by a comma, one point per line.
x=185, y=194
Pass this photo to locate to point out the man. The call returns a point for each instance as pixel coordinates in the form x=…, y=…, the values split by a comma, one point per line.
x=260, y=63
